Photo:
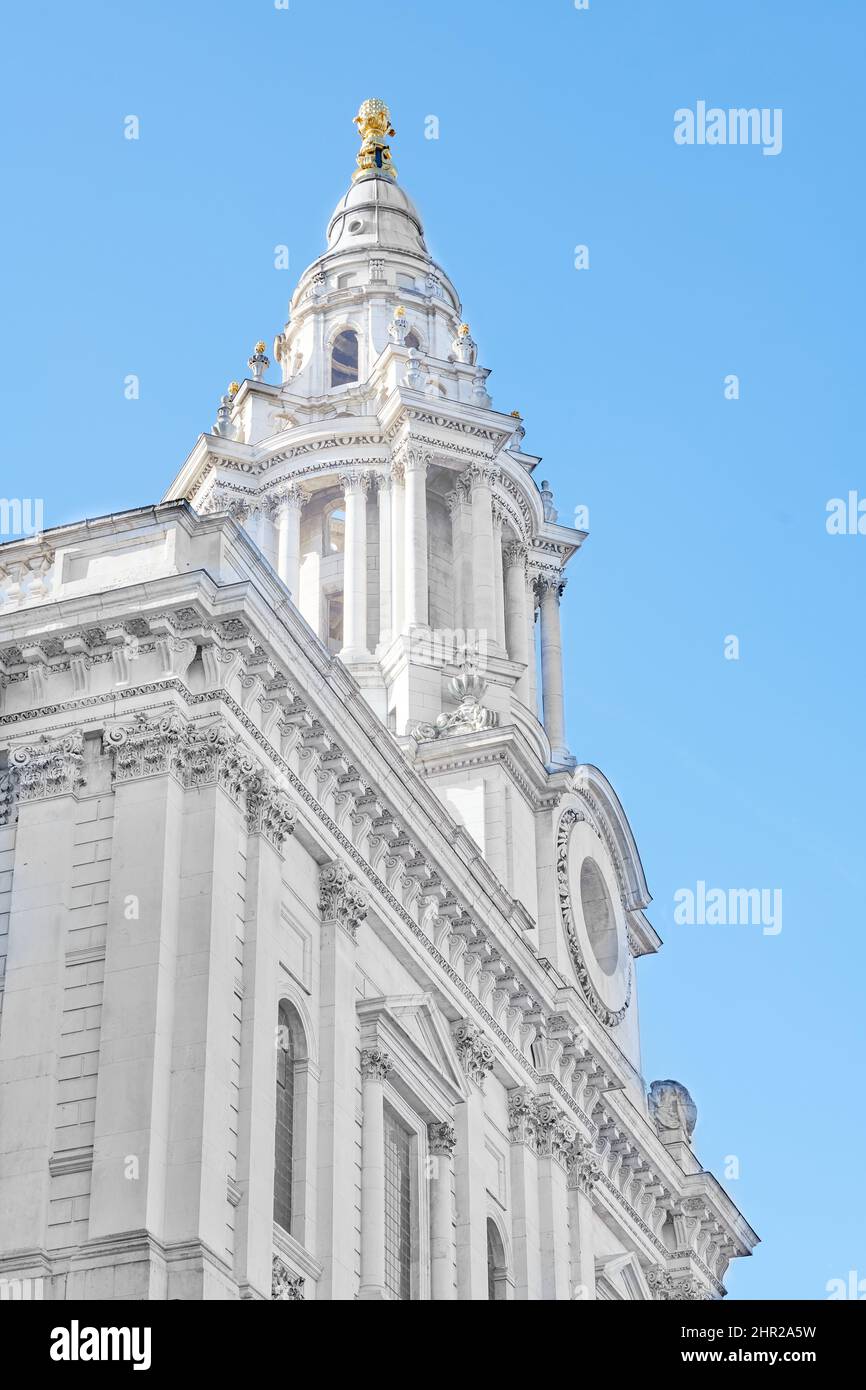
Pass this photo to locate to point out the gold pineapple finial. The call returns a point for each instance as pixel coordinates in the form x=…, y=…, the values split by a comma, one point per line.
x=374, y=127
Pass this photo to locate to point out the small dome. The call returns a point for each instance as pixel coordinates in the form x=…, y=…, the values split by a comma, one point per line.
x=376, y=212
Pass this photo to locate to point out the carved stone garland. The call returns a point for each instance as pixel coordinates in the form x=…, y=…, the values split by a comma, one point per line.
x=609, y=1017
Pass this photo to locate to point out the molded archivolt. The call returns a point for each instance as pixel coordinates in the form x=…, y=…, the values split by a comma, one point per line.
x=607, y=988
x=607, y=811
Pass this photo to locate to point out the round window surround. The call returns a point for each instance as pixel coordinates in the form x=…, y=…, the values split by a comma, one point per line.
x=592, y=917
x=599, y=916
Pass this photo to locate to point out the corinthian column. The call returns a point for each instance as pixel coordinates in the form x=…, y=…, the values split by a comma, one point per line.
x=385, y=565
x=289, y=508
x=550, y=587
x=498, y=580
x=415, y=466
x=455, y=508
x=483, y=584
x=343, y=906
x=532, y=651
x=476, y=1059
x=398, y=547
x=584, y=1172
x=375, y=1066
x=355, y=569
x=441, y=1140
x=516, y=620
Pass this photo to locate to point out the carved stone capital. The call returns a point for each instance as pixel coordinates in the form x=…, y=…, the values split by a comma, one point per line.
x=269, y=811
x=516, y=555
x=482, y=474
x=286, y=1287
x=555, y=1133
x=584, y=1168
x=376, y=1063
x=522, y=1117
x=414, y=461
x=145, y=747
x=341, y=897
x=667, y=1287
x=441, y=1138
x=290, y=498
x=549, y=584
x=355, y=482
x=48, y=767
x=473, y=1050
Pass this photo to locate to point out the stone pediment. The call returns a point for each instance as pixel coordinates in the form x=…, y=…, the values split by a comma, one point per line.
x=621, y=1278
x=410, y=1029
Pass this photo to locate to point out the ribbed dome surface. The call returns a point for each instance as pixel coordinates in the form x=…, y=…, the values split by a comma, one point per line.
x=376, y=212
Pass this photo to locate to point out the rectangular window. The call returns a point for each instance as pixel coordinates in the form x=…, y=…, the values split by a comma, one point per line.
x=398, y=1207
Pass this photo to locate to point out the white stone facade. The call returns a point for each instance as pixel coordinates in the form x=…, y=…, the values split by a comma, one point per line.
x=307, y=910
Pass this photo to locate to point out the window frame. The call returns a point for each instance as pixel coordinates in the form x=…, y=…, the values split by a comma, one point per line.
x=345, y=328
x=419, y=1197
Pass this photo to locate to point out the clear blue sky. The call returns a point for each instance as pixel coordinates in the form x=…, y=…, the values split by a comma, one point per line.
x=707, y=516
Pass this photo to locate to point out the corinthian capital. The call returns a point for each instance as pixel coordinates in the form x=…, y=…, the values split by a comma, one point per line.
x=145, y=746
x=290, y=498
x=376, y=1063
x=355, y=482
x=473, y=1050
x=549, y=584
x=483, y=474
x=515, y=553
x=441, y=1138
x=555, y=1134
x=523, y=1117
x=584, y=1168
x=341, y=897
x=48, y=767
x=668, y=1287
x=269, y=811
x=414, y=461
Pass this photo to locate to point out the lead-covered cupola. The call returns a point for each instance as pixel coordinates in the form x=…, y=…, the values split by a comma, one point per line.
x=376, y=281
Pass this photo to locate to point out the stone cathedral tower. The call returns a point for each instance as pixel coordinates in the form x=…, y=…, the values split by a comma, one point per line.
x=320, y=946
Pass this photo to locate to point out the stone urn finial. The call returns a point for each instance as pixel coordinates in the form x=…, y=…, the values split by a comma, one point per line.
x=258, y=362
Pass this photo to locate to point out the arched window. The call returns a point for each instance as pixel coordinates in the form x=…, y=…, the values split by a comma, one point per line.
x=497, y=1270
x=284, y=1142
x=335, y=531
x=344, y=358
x=412, y=340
